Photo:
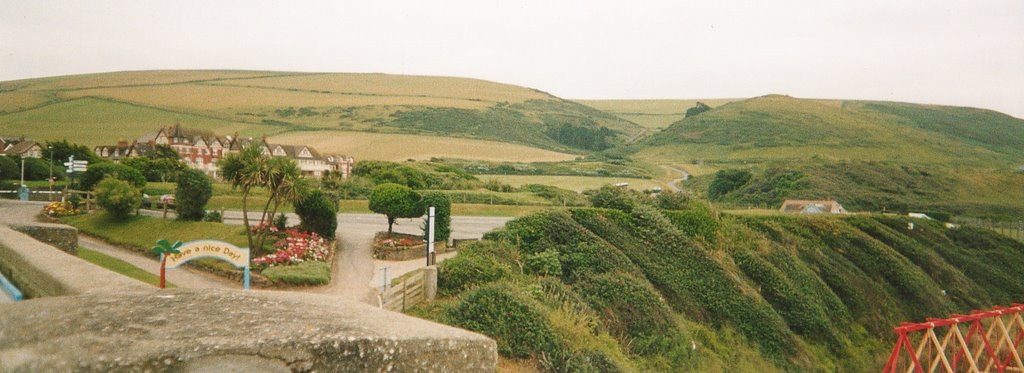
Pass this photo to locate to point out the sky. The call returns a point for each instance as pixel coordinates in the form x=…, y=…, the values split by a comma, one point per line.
x=952, y=52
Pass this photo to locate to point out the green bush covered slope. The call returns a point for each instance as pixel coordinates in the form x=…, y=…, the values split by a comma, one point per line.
x=638, y=288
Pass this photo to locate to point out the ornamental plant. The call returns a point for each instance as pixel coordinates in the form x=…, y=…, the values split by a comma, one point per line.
x=296, y=247
x=118, y=197
x=58, y=209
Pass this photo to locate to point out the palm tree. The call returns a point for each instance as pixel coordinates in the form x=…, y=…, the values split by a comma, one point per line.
x=286, y=185
x=165, y=249
x=245, y=170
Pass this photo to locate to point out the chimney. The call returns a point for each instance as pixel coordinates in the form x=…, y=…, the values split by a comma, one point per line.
x=122, y=143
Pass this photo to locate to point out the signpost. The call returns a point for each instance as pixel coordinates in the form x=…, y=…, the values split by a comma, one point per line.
x=74, y=166
x=237, y=257
x=430, y=236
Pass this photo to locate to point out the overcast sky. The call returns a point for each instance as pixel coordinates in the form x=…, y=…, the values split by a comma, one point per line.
x=957, y=52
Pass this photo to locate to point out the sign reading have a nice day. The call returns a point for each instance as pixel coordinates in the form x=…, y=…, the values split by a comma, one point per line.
x=211, y=249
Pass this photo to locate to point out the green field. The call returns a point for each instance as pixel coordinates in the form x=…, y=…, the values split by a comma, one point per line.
x=651, y=114
x=574, y=183
x=99, y=109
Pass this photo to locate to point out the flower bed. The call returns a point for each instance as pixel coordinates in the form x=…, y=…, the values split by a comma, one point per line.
x=294, y=247
x=58, y=209
x=400, y=247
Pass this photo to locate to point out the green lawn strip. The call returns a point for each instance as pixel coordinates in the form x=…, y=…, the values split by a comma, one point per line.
x=305, y=273
x=119, y=266
x=141, y=232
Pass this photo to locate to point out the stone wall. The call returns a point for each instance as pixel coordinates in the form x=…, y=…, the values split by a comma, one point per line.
x=230, y=330
x=57, y=235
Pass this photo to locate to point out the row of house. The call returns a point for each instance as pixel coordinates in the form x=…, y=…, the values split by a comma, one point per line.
x=20, y=147
x=202, y=152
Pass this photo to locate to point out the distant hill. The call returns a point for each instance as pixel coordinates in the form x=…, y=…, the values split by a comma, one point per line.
x=101, y=108
x=780, y=127
x=651, y=113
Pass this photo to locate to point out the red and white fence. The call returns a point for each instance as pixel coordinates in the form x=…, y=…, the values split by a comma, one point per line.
x=984, y=341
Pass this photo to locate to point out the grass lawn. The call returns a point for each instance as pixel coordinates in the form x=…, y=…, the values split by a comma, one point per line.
x=119, y=266
x=305, y=273
x=142, y=232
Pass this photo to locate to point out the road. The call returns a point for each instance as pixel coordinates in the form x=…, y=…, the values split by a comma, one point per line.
x=683, y=176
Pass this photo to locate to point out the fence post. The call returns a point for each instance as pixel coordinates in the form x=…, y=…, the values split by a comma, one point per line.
x=405, y=290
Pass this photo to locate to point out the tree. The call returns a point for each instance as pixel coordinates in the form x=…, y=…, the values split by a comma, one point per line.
x=193, y=191
x=118, y=197
x=9, y=169
x=165, y=249
x=249, y=169
x=61, y=150
x=156, y=169
x=99, y=171
x=395, y=201
x=318, y=213
x=442, y=214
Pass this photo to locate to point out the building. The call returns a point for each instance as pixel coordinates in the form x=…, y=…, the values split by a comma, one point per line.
x=202, y=152
x=812, y=207
x=21, y=148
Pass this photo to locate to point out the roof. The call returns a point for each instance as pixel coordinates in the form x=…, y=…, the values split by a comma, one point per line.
x=797, y=206
x=20, y=147
x=293, y=151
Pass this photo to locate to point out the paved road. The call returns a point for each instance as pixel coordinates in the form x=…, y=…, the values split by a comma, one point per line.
x=683, y=176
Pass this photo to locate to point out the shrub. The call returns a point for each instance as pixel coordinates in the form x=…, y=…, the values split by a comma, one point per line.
x=9, y=169
x=281, y=222
x=118, y=197
x=670, y=200
x=213, y=216
x=516, y=322
x=318, y=214
x=726, y=181
x=630, y=310
x=543, y=263
x=193, y=191
x=474, y=265
x=442, y=214
x=96, y=173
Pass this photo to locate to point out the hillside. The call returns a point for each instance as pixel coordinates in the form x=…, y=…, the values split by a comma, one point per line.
x=869, y=156
x=780, y=127
x=652, y=114
x=100, y=108
x=635, y=287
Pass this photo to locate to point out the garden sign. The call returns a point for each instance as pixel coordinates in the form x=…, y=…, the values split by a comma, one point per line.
x=188, y=251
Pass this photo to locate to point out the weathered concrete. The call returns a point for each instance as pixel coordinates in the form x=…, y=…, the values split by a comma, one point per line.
x=57, y=235
x=202, y=330
x=40, y=270
x=430, y=283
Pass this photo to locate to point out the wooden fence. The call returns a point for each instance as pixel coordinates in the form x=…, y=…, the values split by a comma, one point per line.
x=406, y=293
x=1012, y=229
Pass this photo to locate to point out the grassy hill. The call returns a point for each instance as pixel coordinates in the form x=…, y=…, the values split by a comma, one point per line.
x=635, y=287
x=780, y=127
x=868, y=155
x=651, y=114
x=101, y=108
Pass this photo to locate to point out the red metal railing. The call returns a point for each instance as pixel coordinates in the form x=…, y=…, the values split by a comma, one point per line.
x=992, y=343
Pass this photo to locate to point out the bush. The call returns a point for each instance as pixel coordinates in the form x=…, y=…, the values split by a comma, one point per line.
x=118, y=197
x=213, y=216
x=516, y=322
x=631, y=311
x=669, y=200
x=96, y=173
x=474, y=265
x=543, y=263
x=726, y=181
x=193, y=191
x=9, y=169
x=281, y=222
x=318, y=214
x=442, y=215
x=310, y=272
